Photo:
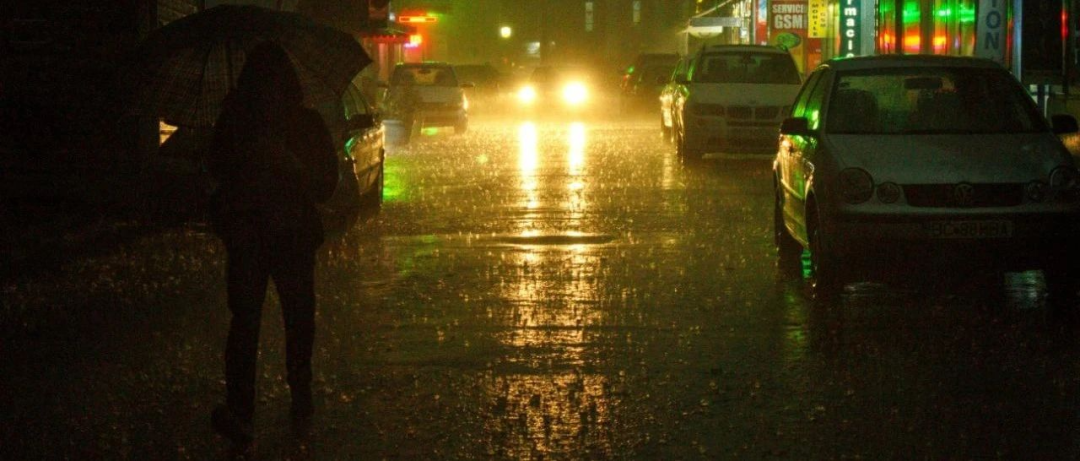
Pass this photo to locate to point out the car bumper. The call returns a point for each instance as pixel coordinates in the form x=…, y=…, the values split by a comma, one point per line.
x=441, y=117
x=719, y=134
x=1009, y=236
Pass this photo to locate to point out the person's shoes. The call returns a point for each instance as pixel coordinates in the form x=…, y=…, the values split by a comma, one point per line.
x=230, y=426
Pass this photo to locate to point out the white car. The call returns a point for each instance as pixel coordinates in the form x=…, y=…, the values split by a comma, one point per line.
x=732, y=99
x=911, y=154
x=427, y=94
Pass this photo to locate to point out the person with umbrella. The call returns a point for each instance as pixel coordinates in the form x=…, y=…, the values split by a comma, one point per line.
x=274, y=161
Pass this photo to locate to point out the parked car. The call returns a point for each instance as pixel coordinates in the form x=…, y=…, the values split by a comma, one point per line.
x=643, y=80
x=357, y=130
x=427, y=94
x=671, y=92
x=917, y=153
x=732, y=98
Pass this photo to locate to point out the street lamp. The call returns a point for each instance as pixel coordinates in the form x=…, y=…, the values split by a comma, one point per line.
x=506, y=32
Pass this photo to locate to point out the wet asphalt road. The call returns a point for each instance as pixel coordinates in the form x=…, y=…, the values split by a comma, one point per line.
x=548, y=290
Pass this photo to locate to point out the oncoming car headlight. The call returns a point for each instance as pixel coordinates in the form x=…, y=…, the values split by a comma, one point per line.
x=527, y=95
x=856, y=185
x=575, y=94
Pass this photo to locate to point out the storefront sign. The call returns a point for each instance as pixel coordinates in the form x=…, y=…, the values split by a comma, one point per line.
x=788, y=21
x=990, y=30
x=789, y=15
x=819, y=19
x=851, y=12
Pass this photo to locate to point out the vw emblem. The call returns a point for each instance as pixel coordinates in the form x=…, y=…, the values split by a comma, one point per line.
x=964, y=194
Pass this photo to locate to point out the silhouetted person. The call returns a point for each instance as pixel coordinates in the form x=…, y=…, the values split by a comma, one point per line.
x=273, y=160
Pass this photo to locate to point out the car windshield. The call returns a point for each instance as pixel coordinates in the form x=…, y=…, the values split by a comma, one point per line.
x=939, y=100
x=424, y=76
x=746, y=67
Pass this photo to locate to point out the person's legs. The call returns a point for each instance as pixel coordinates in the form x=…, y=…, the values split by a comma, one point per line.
x=294, y=276
x=247, y=276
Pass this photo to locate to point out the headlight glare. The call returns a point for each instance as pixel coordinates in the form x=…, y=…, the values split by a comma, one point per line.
x=527, y=95
x=856, y=185
x=575, y=94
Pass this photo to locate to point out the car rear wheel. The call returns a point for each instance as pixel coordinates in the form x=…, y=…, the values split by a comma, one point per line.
x=788, y=250
x=372, y=199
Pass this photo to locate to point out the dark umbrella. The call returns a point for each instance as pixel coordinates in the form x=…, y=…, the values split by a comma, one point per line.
x=183, y=71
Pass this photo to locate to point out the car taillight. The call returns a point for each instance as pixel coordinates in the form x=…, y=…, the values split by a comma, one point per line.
x=856, y=185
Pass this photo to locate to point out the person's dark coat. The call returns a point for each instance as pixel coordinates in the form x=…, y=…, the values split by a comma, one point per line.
x=273, y=160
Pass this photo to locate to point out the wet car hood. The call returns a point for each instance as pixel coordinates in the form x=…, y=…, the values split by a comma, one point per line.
x=743, y=94
x=929, y=159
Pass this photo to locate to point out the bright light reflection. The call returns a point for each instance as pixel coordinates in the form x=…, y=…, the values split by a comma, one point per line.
x=527, y=142
x=577, y=147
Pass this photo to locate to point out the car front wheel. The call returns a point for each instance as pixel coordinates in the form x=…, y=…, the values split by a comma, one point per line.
x=824, y=261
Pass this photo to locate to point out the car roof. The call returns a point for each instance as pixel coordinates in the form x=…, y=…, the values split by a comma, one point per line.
x=742, y=48
x=910, y=60
x=423, y=64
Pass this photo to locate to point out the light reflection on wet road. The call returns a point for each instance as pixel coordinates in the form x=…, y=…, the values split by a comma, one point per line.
x=568, y=290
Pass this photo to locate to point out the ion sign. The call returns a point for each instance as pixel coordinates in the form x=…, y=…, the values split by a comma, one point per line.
x=990, y=31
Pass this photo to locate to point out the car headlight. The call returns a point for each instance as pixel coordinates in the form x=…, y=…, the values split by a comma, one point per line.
x=1064, y=179
x=1036, y=191
x=888, y=192
x=575, y=94
x=1065, y=182
x=856, y=185
x=527, y=95
x=711, y=110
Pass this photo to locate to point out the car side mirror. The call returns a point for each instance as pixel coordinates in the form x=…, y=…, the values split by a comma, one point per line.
x=681, y=79
x=468, y=85
x=1064, y=124
x=796, y=126
x=361, y=121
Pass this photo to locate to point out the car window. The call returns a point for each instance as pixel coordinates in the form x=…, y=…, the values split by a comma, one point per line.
x=680, y=69
x=812, y=110
x=649, y=74
x=746, y=67
x=355, y=103
x=799, y=109
x=424, y=76
x=936, y=100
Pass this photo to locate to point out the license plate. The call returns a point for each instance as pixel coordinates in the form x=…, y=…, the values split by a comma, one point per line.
x=969, y=229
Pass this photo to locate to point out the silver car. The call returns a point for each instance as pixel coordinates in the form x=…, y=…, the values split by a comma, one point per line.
x=917, y=153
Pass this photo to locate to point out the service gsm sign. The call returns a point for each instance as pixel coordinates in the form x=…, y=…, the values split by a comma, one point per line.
x=788, y=14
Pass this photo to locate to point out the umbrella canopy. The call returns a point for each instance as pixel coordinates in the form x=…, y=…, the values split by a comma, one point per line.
x=183, y=71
